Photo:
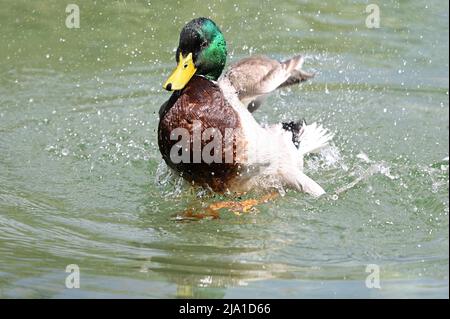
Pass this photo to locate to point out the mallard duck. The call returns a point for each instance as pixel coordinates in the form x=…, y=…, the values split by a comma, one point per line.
x=206, y=107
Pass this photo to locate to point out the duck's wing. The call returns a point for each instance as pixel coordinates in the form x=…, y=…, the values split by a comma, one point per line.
x=256, y=76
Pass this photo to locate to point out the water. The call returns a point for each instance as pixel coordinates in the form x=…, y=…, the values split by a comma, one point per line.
x=79, y=160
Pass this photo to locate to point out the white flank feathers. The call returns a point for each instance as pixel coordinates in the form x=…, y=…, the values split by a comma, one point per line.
x=271, y=152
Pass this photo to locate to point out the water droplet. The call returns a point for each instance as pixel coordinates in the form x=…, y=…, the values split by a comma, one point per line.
x=64, y=152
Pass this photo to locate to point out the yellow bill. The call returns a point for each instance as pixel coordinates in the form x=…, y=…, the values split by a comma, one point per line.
x=182, y=74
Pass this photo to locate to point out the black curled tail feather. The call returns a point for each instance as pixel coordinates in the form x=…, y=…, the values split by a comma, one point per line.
x=295, y=128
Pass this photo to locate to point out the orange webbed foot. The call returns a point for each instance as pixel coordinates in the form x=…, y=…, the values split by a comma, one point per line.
x=237, y=207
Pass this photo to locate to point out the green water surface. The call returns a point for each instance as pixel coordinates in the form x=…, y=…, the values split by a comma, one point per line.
x=79, y=160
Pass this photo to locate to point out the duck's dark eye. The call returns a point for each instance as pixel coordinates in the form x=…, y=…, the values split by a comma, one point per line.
x=185, y=66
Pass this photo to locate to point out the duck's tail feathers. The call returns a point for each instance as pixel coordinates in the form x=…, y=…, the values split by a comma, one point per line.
x=312, y=138
x=294, y=67
x=303, y=183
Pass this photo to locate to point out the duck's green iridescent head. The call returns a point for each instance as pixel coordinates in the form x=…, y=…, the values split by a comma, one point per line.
x=202, y=50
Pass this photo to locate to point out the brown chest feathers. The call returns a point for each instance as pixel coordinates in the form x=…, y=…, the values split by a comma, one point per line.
x=197, y=135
